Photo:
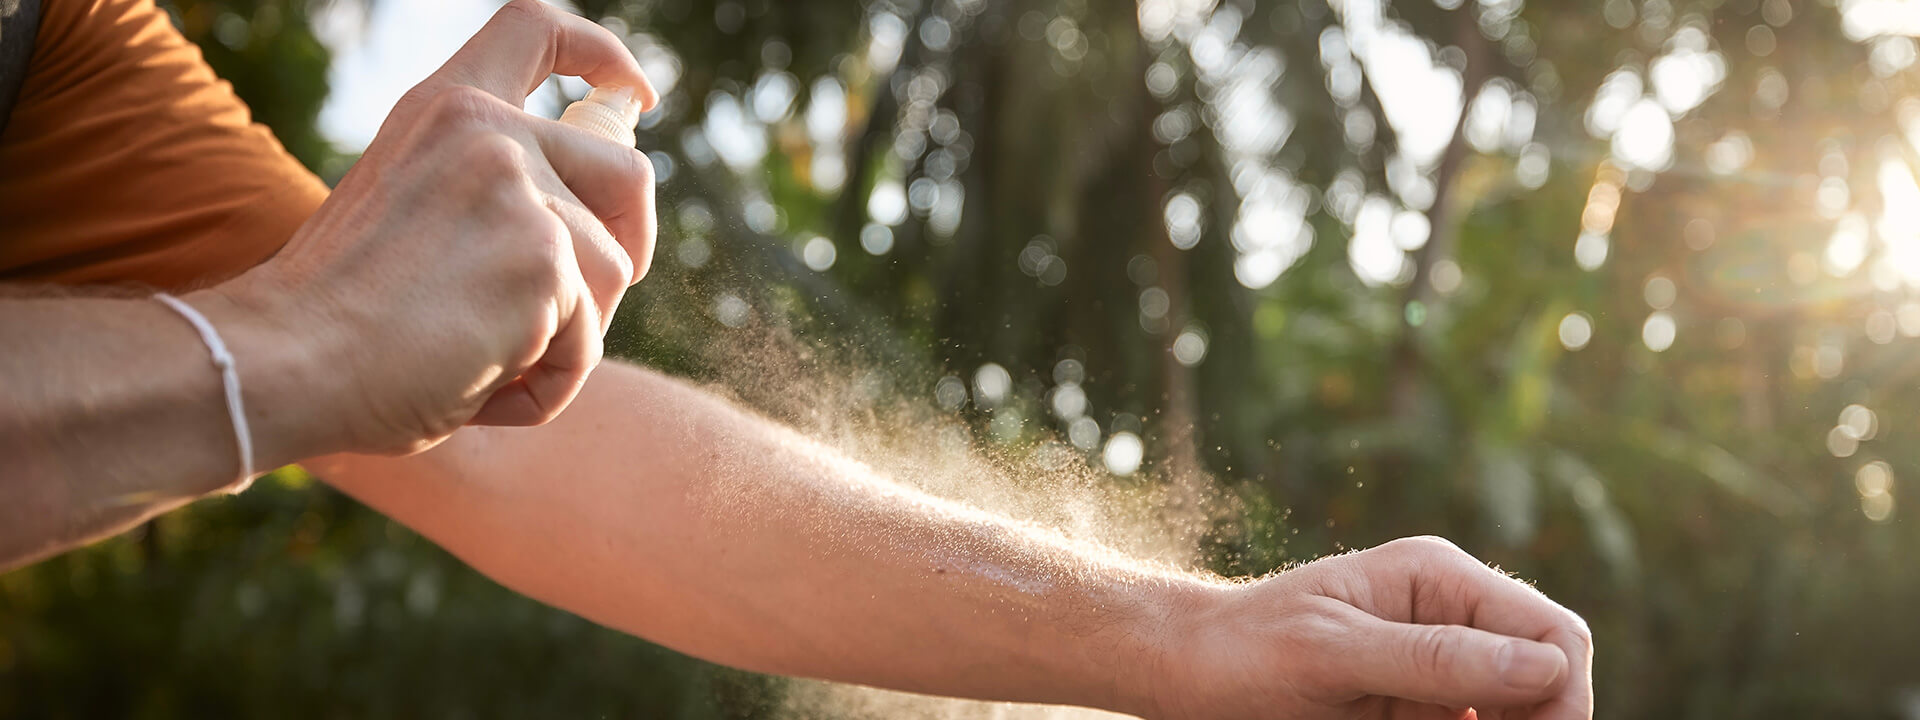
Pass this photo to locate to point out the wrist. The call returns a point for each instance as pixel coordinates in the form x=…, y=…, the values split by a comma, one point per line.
x=283, y=363
x=1173, y=613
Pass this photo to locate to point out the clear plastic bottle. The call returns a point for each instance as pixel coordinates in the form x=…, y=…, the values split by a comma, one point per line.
x=610, y=112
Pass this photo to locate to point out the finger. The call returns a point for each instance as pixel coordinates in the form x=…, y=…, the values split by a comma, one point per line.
x=575, y=348
x=540, y=393
x=1509, y=607
x=1452, y=665
x=615, y=183
x=1490, y=600
x=1575, y=702
x=604, y=265
x=527, y=40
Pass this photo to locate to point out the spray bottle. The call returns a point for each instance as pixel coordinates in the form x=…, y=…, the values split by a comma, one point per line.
x=610, y=112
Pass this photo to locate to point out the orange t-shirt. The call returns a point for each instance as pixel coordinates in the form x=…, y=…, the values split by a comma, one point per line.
x=125, y=159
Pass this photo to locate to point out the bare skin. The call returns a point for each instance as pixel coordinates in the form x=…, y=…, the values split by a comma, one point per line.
x=463, y=274
x=123, y=417
x=664, y=511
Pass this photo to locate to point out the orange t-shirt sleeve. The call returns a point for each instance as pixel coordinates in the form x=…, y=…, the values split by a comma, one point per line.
x=127, y=160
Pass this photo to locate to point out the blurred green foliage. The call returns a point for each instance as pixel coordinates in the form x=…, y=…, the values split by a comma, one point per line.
x=1732, y=533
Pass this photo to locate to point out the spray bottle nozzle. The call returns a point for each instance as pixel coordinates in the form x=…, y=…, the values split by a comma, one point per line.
x=609, y=111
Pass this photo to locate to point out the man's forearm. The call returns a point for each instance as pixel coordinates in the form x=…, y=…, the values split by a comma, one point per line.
x=111, y=411
x=662, y=510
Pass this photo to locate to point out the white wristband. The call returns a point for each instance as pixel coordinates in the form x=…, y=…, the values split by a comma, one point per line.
x=229, y=377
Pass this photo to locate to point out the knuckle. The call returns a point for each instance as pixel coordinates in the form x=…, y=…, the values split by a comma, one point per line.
x=527, y=11
x=455, y=106
x=1581, y=634
x=457, y=102
x=624, y=211
x=531, y=280
x=1428, y=648
x=542, y=236
x=642, y=261
x=639, y=171
x=542, y=225
x=534, y=237
x=1436, y=544
x=510, y=217
x=541, y=274
x=494, y=158
x=604, y=265
x=418, y=96
x=1425, y=547
x=620, y=270
x=596, y=349
x=1320, y=623
x=1322, y=629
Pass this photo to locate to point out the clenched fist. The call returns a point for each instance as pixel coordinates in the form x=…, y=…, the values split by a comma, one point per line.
x=465, y=270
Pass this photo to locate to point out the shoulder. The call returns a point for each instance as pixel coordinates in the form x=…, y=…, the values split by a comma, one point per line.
x=127, y=159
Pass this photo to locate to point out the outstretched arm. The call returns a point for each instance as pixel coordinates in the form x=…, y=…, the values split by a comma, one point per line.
x=659, y=509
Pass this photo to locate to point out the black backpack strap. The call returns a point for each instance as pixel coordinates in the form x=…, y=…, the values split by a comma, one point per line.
x=19, y=22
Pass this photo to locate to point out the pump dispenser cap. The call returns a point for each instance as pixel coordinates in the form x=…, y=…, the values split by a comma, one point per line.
x=610, y=112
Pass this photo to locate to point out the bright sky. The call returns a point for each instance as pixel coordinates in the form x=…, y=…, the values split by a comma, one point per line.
x=376, y=59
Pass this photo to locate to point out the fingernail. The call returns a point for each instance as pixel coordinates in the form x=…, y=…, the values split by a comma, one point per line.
x=1529, y=666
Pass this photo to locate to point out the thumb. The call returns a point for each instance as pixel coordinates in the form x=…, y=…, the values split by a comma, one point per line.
x=1455, y=666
